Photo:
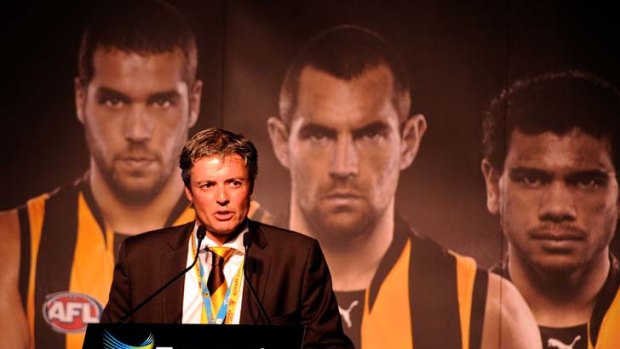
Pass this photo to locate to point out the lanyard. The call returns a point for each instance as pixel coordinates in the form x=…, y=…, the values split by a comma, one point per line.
x=227, y=310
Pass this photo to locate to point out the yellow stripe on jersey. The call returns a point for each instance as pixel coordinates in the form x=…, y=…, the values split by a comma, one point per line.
x=36, y=211
x=93, y=263
x=609, y=333
x=466, y=276
x=388, y=324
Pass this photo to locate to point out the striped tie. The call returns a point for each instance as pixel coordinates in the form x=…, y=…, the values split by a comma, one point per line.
x=216, y=281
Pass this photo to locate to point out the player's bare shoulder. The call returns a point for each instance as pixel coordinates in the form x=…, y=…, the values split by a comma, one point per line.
x=14, y=328
x=10, y=247
x=508, y=321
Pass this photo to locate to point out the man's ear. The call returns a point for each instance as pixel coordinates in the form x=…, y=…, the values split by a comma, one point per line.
x=80, y=98
x=278, y=134
x=195, y=96
x=491, y=181
x=412, y=131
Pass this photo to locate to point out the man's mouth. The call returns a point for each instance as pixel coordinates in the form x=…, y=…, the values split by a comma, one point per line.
x=224, y=215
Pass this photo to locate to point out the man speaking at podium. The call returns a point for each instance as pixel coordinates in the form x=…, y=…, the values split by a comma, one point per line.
x=247, y=272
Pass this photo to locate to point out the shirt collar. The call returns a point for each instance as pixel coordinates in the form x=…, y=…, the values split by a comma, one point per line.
x=236, y=243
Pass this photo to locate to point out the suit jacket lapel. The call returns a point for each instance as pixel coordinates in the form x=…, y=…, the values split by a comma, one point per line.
x=257, y=264
x=172, y=262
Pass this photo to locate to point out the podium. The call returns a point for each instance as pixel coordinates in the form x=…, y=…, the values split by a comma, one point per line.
x=179, y=336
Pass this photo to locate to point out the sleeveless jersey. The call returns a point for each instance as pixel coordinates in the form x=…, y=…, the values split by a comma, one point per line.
x=68, y=259
x=423, y=297
x=603, y=328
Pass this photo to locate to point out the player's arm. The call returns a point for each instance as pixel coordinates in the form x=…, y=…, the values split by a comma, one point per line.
x=508, y=321
x=13, y=323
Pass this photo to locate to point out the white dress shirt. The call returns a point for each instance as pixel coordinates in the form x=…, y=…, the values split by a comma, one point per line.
x=192, y=298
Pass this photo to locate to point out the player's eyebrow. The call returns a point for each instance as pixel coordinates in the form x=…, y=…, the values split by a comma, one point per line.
x=597, y=175
x=372, y=128
x=521, y=172
x=171, y=95
x=106, y=92
x=312, y=129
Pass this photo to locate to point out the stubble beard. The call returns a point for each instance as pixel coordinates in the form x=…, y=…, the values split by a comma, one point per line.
x=338, y=229
x=125, y=188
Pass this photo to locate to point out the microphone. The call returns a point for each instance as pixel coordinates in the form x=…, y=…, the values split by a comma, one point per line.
x=200, y=234
x=246, y=245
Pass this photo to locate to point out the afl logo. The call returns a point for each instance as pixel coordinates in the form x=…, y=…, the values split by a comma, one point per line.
x=68, y=312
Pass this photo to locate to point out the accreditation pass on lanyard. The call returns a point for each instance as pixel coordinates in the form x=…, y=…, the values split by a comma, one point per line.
x=227, y=309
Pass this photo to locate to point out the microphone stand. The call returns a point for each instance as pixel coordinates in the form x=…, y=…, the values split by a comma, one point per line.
x=200, y=234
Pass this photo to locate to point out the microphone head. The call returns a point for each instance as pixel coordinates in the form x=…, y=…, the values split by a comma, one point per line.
x=201, y=232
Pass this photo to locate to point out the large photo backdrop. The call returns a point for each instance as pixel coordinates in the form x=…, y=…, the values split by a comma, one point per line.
x=456, y=58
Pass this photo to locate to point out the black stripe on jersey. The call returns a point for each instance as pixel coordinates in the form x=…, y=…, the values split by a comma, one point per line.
x=401, y=234
x=433, y=296
x=24, y=254
x=610, y=288
x=478, y=307
x=83, y=185
x=58, y=239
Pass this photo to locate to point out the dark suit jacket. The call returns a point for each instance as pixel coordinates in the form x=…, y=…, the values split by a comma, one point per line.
x=287, y=270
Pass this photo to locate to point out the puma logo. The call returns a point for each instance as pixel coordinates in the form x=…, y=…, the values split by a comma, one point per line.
x=346, y=313
x=554, y=343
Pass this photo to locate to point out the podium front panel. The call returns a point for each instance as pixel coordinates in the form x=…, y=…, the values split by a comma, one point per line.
x=178, y=336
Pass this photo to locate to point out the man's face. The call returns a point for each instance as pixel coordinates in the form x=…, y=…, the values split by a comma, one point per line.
x=344, y=151
x=220, y=191
x=136, y=112
x=557, y=198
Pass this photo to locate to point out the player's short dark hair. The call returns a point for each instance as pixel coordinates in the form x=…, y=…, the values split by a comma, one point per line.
x=346, y=52
x=145, y=27
x=552, y=102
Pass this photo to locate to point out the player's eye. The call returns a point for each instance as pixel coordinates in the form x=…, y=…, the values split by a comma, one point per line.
x=530, y=178
x=163, y=103
x=372, y=135
x=112, y=101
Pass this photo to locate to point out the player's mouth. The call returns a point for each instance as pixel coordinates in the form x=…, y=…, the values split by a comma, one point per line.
x=342, y=197
x=136, y=162
x=559, y=240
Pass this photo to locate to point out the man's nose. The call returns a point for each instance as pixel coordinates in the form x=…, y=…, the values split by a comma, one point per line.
x=345, y=160
x=557, y=203
x=138, y=124
x=222, y=196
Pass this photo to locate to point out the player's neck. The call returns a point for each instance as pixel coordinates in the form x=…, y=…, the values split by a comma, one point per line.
x=352, y=264
x=560, y=299
x=130, y=218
